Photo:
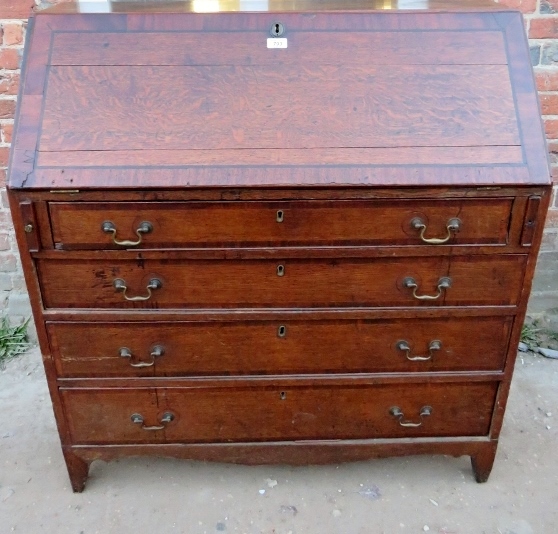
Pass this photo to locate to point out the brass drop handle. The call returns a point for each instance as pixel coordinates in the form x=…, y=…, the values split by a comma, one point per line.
x=453, y=225
x=156, y=351
x=443, y=283
x=137, y=418
x=144, y=227
x=120, y=285
x=432, y=347
x=425, y=411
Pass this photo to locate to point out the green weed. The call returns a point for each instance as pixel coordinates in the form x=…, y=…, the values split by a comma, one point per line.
x=13, y=340
x=529, y=334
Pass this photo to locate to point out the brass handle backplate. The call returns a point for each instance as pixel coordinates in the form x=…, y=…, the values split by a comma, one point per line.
x=452, y=226
x=432, y=347
x=156, y=351
x=443, y=283
x=120, y=285
x=144, y=227
x=137, y=419
x=425, y=411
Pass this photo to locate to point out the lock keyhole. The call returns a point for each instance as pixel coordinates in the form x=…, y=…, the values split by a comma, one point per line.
x=277, y=29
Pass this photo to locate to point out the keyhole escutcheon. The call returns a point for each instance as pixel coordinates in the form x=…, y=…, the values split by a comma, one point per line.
x=277, y=29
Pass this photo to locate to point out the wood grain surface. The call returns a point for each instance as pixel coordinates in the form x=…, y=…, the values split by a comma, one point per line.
x=305, y=48
x=79, y=179
x=251, y=107
x=349, y=157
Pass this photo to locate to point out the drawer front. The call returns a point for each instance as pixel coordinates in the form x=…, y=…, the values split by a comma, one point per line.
x=278, y=347
x=474, y=280
x=259, y=413
x=217, y=224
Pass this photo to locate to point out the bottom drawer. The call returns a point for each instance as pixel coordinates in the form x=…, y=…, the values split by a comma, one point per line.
x=274, y=413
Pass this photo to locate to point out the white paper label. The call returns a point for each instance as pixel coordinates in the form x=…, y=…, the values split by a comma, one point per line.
x=277, y=42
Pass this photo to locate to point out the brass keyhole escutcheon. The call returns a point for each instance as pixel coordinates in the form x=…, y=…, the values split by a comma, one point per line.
x=283, y=395
x=277, y=29
x=280, y=216
x=282, y=331
x=280, y=270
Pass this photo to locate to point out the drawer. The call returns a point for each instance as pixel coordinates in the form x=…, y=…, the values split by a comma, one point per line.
x=278, y=347
x=92, y=283
x=277, y=413
x=96, y=225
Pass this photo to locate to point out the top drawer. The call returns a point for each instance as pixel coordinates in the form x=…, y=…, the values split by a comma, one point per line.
x=145, y=225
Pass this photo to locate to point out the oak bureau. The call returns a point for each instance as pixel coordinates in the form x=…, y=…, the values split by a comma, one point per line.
x=303, y=233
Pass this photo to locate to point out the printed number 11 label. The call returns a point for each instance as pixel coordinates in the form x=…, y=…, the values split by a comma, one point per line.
x=277, y=42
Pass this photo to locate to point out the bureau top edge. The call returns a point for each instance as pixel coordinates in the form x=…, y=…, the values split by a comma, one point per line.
x=244, y=193
x=274, y=179
x=270, y=6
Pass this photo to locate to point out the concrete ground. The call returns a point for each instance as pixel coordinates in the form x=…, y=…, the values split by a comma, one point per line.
x=397, y=495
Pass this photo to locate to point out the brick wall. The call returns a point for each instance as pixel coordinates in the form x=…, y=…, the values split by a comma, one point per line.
x=541, y=24
x=12, y=287
x=541, y=18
